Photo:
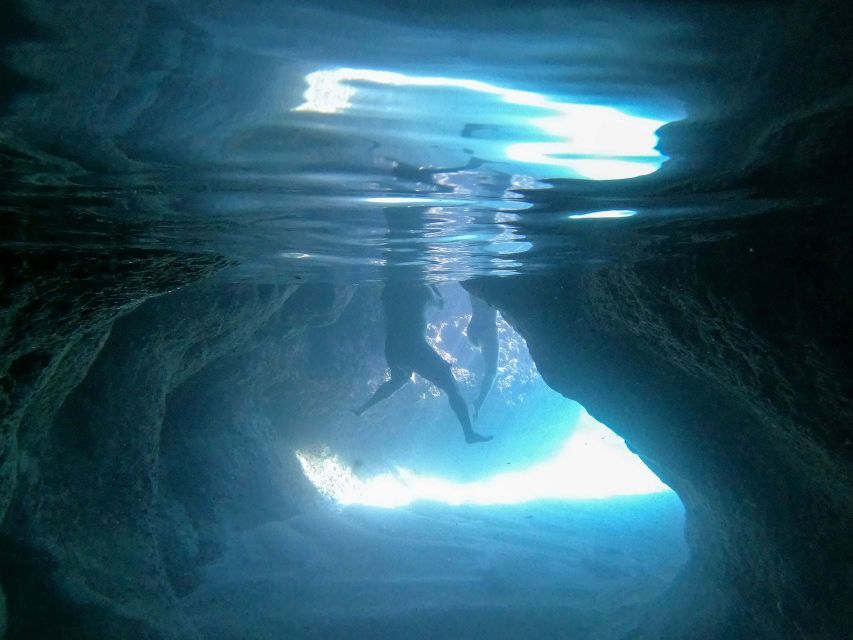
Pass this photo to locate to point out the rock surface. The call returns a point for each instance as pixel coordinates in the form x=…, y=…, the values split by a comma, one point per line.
x=723, y=366
x=95, y=513
x=56, y=309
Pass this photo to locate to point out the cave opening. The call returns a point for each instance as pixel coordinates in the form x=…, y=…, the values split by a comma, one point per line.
x=423, y=117
x=548, y=447
x=404, y=530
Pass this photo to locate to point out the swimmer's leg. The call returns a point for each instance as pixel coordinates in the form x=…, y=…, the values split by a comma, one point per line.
x=399, y=378
x=490, y=361
x=432, y=366
x=473, y=336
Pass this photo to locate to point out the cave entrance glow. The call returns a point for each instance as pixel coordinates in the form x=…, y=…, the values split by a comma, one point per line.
x=593, y=463
x=544, y=137
x=404, y=530
x=546, y=447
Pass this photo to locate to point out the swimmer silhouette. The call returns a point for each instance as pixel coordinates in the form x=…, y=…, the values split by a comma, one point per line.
x=483, y=333
x=405, y=299
x=407, y=351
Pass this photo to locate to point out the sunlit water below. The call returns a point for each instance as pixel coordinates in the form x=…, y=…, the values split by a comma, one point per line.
x=592, y=463
x=544, y=569
x=545, y=447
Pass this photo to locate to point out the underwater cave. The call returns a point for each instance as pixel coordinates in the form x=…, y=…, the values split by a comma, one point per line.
x=402, y=529
x=327, y=320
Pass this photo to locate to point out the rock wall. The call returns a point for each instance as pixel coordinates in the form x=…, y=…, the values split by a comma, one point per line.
x=95, y=526
x=723, y=365
x=225, y=464
x=56, y=309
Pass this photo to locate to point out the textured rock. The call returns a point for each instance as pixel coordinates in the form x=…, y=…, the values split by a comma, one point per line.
x=225, y=464
x=723, y=366
x=2, y=613
x=98, y=523
x=56, y=307
x=92, y=484
x=57, y=310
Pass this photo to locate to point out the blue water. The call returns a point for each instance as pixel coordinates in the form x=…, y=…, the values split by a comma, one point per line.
x=584, y=570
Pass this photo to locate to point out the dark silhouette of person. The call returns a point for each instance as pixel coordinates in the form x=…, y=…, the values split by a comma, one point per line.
x=406, y=297
x=483, y=333
x=407, y=350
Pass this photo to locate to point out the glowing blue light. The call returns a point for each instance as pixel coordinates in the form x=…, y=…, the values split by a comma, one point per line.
x=401, y=200
x=419, y=201
x=593, y=463
x=592, y=141
x=612, y=213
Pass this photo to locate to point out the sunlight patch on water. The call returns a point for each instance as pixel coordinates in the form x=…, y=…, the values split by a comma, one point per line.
x=593, y=142
x=594, y=463
x=421, y=201
x=401, y=200
x=596, y=215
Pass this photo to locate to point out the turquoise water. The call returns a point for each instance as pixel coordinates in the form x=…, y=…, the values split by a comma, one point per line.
x=546, y=446
x=428, y=572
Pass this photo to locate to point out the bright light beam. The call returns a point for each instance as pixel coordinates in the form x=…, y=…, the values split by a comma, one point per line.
x=593, y=141
x=594, y=463
x=596, y=215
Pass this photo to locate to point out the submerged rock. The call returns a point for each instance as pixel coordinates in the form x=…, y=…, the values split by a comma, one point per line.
x=56, y=310
x=2, y=613
x=93, y=516
x=722, y=366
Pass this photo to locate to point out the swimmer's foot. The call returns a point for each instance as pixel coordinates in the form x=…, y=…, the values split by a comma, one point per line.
x=473, y=437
